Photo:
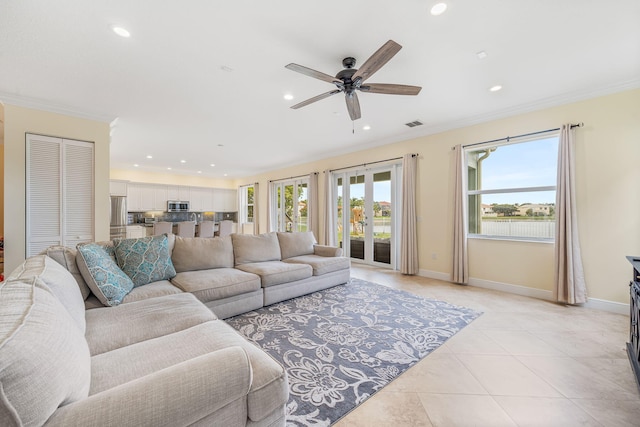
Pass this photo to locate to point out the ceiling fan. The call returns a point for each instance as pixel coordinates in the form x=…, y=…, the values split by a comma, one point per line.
x=351, y=80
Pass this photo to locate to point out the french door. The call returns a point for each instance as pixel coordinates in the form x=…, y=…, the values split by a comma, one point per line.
x=367, y=213
x=291, y=205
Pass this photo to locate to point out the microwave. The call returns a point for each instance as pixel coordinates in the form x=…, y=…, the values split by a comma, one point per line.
x=177, y=206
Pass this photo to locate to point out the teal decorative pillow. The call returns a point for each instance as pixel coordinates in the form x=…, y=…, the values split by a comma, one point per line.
x=99, y=269
x=146, y=259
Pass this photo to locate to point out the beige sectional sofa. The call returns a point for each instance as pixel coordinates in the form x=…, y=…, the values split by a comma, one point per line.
x=157, y=355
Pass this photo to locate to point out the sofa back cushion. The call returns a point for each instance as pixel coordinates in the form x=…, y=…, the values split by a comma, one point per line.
x=66, y=257
x=296, y=244
x=248, y=248
x=44, y=357
x=200, y=253
x=97, y=263
x=145, y=259
x=59, y=281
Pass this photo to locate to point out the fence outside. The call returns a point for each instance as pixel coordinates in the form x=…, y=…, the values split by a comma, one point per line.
x=520, y=228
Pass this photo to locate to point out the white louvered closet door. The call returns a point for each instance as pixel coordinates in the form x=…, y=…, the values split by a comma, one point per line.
x=60, y=199
x=77, y=192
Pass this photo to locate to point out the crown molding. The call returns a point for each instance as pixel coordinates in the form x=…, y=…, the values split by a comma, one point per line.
x=38, y=104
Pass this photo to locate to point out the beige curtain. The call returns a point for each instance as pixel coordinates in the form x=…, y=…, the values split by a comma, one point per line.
x=408, y=226
x=569, y=284
x=330, y=210
x=460, y=272
x=270, y=207
x=256, y=210
x=313, y=211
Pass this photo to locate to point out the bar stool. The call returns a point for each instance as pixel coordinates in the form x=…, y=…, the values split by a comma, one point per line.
x=186, y=229
x=206, y=229
x=225, y=228
x=162, y=227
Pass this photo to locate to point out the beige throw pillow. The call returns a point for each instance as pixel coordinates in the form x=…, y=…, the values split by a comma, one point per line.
x=200, y=253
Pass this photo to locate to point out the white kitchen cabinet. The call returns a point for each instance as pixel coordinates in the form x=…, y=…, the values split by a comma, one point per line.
x=201, y=199
x=117, y=188
x=146, y=197
x=160, y=198
x=230, y=200
x=179, y=193
x=133, y=197
x=135, y=231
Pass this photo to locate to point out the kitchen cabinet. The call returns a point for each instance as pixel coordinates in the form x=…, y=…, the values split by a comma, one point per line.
x=201, y=199
x=146, y=197
x=160, y=198
x=117, y=188
x=230, y=200
x=179, y=193
x=135, y=231
x=133, y=198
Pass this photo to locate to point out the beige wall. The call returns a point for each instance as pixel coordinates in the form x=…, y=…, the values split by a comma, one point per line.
x=20, y=120
x=607, y=172
x=171, y=179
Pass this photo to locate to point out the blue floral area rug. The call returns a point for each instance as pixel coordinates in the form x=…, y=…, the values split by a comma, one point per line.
x=343, y=344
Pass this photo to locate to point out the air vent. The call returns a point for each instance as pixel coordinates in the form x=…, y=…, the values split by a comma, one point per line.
x=414, y=123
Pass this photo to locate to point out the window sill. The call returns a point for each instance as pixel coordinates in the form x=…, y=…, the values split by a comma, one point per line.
x=511, y=239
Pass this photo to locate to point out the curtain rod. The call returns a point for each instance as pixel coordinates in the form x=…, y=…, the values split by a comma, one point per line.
x=371, y=163
x=292, y=177
x=578, y=125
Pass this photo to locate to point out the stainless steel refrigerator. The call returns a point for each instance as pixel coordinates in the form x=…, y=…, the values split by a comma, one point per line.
x=118, y=217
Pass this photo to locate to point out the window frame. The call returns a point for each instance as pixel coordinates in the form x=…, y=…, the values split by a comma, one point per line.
x=243, y=192
x=511, y=190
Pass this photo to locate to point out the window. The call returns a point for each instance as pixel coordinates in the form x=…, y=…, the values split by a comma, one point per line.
x=511, y=189
x=246, y=203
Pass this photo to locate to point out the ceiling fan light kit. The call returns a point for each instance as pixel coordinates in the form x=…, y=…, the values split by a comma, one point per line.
x=350, y=79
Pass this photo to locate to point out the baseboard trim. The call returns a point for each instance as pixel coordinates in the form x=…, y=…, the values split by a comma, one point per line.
x=595, y=303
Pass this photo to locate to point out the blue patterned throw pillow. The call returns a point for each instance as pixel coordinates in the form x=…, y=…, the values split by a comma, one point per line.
x=146, y=259
x=98, y=267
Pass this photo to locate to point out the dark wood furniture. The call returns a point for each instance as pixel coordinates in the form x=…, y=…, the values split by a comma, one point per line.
x=633, y=346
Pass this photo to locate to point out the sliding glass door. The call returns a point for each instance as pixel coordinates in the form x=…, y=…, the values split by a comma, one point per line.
x=292, y=205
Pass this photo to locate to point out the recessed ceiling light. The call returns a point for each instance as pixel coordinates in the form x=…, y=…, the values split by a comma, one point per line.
x=438, y=9
x=168, y=169
x=136, y=165
x=482, y=54
x=366, y=127
x=183, y=161
x=495, y=88
x=199, y=171
x=212, y=165
x=225, y=174
x=288, y=96
x=121, y=31
x=149, y=156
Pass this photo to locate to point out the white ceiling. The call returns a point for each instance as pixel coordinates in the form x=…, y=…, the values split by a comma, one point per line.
x=198, y=74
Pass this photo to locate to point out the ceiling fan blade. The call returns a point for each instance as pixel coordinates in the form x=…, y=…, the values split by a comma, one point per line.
x=312, y=73
x=316, y=98
x=391, y=89
x=353, y=105
x=377, y=60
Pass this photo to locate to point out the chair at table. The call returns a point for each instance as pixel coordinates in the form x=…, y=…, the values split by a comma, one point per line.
x=206, y=229
x=186, y=229
x=162, y=227
x=225, y=228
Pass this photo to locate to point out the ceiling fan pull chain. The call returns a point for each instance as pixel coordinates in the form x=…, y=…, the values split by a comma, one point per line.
x=353, y=127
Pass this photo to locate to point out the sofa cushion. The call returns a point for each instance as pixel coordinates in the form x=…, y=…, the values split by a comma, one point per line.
x=59, y=281
x=216, y=284
x=66, y=257
x=145, y=259
x=296, y=244
x=110, y=328
x=100, y=270
x=198, y=253
x=320, y=264
x=248, y=248
x=152, y=290
x=269, y=389
x=277, y=272
x=44, y=358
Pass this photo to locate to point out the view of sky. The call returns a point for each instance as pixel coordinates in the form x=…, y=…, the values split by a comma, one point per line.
x=527, y=164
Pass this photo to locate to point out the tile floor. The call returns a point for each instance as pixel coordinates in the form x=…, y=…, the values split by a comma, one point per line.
x=524, y=362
